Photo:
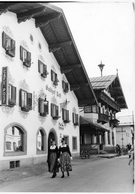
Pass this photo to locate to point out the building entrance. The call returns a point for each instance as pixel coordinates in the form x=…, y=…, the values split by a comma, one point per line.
x=51, y=137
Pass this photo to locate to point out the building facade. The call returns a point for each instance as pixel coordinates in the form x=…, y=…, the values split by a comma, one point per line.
x=40, y=92
x=98, y=123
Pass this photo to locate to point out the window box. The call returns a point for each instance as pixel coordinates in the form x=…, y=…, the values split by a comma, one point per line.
x=54, y=78
x=65, y=86
x=75, y=119
x=42, y=69
x=65, y=115
x=55, y=112
x=25, y=57
x=11, y=103
x=8, y=44
x=25, y=100
x=43, y=107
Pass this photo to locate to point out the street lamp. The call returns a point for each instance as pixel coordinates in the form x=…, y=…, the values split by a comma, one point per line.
x=101, y=67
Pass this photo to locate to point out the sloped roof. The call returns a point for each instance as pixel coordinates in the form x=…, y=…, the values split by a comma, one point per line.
x=102, y=82
x=89, y=122
x=54, y=27
x=113, y=85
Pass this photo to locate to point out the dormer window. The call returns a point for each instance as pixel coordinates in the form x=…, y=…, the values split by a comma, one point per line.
x=75, y=119
x=42, y=69
x=8, y=44
x=25, y=100
x=54, y=78
x=65, y=86
x=43, y=107
x=25, y=57
x=65, y=115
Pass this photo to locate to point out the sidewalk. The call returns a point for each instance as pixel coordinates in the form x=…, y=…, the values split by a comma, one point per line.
x=39, y=169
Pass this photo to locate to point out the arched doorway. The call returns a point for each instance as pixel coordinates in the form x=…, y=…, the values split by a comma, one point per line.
x=52, y=135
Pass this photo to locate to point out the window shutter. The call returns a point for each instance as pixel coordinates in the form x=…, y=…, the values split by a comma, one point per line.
x=3, y=40
x=39, y=66
x=73, y=117
x=13, y=94
x=46, y=108
x=66, y=87
x=21, y=53
x=76, y=118
x=63, y=113
x=57, y=111
x=29, y=58
x=13, y=47
x=67, y=115
x=52, y=109
x=29, y=100
x=20, y=97
x=63, y=84
x=44, y=68
x=55, y=79
x=51, y=75
x=41, y=106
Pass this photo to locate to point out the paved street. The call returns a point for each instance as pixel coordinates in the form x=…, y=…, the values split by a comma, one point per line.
x=101, y=175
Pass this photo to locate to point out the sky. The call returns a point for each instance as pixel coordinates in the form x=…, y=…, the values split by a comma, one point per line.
x=105, y=31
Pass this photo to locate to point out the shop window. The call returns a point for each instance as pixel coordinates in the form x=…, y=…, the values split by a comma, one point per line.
x=65, y=86
x=54, y=78
x=41, y=140
x=15, y=142
x=55, y=111
x=74, y=139
x=25, y=100
x=75, y=119
x=25, y=57
x=42, y=69
x=43, y=107
x=8, y=44
x=65, y=115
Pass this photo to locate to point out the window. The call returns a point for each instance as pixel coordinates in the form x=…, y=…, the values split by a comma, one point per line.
x=40, y=141
x=43, y=107
x=42, y=69
x=66, y=139
x=74, y=143
x=8, y=44
x=55, y=111
x=11, y=95
x=15, y=142
x=91, y=109
x=75, y=119
x=54, y=78
x=65, y=86
x=65, y=115
x=25, y=101
x=25, y=57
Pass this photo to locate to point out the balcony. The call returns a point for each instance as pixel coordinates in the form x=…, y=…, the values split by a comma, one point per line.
x=114, y=122
x=103, y=118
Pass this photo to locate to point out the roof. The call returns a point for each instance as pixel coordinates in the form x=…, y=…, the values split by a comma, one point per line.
x=54, y=27
x=89, y=122
x=113, y=85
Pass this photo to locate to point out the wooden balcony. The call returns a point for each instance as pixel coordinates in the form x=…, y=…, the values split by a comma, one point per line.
x=103, y=118
x=114, y=122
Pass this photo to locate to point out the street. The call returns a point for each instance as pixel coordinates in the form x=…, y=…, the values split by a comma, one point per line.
x=101, y=175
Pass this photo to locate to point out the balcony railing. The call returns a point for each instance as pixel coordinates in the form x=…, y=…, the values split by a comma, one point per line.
x=103, y=118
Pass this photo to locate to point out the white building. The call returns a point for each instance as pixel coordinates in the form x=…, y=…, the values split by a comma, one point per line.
x=43, y=83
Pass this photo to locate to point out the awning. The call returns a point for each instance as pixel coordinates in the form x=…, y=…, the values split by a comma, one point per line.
x=89, y=122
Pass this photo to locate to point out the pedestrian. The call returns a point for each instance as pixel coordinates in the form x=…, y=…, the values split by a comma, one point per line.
x=65, y=158
x=132, y=156
x=52, y=158
x=118, y=151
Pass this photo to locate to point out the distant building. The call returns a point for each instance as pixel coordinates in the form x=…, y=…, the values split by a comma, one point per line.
x=98, y=123
x=43, y=83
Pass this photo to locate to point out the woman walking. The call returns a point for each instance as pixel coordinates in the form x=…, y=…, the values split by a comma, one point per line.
x=52, y=159
x=65, y=158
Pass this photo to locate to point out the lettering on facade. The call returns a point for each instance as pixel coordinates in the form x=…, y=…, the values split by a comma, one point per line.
x=4, y=85
x=53, y=92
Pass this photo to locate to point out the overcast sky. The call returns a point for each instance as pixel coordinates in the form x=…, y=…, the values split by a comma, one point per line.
x=105, y=32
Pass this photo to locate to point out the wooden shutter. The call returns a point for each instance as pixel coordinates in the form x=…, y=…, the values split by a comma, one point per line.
x=46, y=107
x=3, y=40
x=67, y=115
x=20, y=97
x=13, y=94
x=57, y=111
x=39, y=66
x=73, y=117
x=63, y=84
x=29, y=100
x=52, y=110
x=29, y=58
x=76, y=118
x=52, y=75
x=21, y=53
x=63, y=114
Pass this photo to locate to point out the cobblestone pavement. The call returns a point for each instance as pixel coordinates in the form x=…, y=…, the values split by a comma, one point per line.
x=34, y=170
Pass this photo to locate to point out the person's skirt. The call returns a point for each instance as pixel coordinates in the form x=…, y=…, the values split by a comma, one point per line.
x=52, y=165
x=65, y=162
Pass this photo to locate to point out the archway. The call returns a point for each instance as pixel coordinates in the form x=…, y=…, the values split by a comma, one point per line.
x=52, y=135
